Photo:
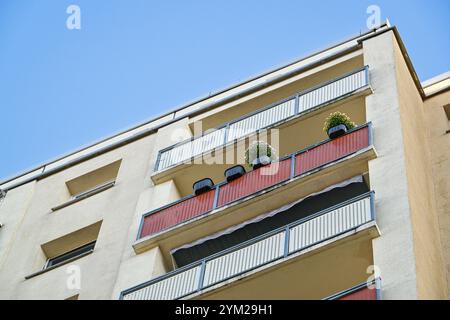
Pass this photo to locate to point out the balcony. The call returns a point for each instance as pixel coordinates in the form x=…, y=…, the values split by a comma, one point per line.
x=361, y=291
x=355, y=148
x=283, y=114
x=274, y=260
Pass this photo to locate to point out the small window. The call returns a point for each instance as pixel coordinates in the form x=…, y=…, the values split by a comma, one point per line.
x=71, y=246
x=92, y=181
x=70, y=255
x=447, y=112
x=94, y=190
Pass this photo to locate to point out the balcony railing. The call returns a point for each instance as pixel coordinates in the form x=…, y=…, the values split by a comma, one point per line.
x=275, y=245
x=263, y=118
x=255, y=181
x=360, y=292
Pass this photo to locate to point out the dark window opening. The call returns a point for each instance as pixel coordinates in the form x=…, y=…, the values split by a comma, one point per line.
x=70, y=255
x=447, y=112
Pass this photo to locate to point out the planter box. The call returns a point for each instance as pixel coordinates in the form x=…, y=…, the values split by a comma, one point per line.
x=337, y=131
x=261, y=161
x=234, y=172
x=202, y=186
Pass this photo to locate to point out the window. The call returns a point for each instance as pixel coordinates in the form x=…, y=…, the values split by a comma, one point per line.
x=92, y=181
x=69, y=247
x=94, y=190
x=447, y=112
x=78, y=252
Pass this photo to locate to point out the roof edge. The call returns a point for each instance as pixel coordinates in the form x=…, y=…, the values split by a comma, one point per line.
x=358, y=37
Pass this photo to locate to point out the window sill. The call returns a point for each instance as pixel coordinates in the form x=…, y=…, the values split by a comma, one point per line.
x=58, y=265
x=87, y=195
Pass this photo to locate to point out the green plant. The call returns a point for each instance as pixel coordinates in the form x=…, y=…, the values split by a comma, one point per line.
x=337, y=118
x=258, y=149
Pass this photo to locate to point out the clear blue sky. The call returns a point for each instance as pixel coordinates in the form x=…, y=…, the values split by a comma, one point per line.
x=61, y=89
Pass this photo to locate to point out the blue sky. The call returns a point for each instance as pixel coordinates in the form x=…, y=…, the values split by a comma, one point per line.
x=62, y=89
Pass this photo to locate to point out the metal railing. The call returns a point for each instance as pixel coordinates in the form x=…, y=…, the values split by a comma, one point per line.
x=263, y=118
x=289, y=167
x=360, y=292
x=254, y=253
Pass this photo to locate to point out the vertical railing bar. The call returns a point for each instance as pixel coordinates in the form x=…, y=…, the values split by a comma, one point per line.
x=366, y=71
x=216, y=197
x=158, y=158
x=372, y=206
x=292, y=173
x=378, y=287
x=286, y=241
x=202, y=275
x=370, y=135
x=297, y=104
x=225, y=135
x=141, y=226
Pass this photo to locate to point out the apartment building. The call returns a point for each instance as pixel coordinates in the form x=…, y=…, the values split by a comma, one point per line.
x=365, y=215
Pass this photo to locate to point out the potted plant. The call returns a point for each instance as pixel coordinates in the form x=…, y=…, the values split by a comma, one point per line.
x=259, y=154
x=337, y=124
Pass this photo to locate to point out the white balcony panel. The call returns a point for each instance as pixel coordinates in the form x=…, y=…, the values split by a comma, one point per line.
x=329, y=225
x=261, y=120
x=244, y=259
x=176, y=286
x=333, y=90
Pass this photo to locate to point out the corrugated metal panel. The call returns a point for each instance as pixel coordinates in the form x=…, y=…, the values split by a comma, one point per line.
x=179, y=212
x=254, y=181
x=333, y=90
x=188, y=150
x=208, y=142
x=332, y=150
x=174, y=287
x=329, y=224
x=261, y=120
x=244, y=259
x=362, y=294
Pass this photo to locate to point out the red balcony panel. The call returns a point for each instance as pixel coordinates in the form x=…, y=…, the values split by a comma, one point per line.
x=177, y=213
x=254, y=181
x=332, y=150
x=362, y=294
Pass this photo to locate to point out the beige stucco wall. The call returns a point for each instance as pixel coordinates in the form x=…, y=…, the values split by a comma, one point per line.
x=115, y=207
x=439, y=142
x=393, y=251
x=12, y=213
x=113, y=266
x=431, y=280
x=409, y=252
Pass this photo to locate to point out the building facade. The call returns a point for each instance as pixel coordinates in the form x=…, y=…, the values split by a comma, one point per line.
x=365, y=215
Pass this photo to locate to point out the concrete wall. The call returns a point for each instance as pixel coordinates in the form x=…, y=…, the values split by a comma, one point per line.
x=409, y=252
x=113, y=266
x=439, y=142
x=30, y=205
x=431, y=280
x=394, y=250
